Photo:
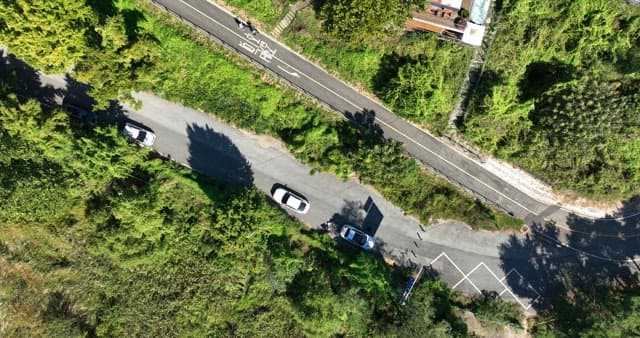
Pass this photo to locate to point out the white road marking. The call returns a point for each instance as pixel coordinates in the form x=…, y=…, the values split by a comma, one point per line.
x=499, y=280
x=380, y=121
x=289, y=72
x=297, y=75
x=248, y=47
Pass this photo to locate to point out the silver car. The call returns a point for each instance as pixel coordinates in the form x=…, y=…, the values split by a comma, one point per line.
x=291, y=200
x=141, y=136
x=357, y=237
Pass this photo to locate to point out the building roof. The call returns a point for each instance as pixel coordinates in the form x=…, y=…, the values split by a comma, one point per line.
x=479, y=11
x=473, y=34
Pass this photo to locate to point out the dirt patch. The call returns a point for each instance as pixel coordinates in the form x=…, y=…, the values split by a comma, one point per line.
x=479, y=329
x=544, y=193
x=572, y=201
x=266, y=141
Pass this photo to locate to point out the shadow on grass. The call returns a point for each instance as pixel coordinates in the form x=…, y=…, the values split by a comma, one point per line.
x=541, y=76
x=28, y=84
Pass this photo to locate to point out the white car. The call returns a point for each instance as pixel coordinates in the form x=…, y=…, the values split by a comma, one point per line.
x=357, y=237
x=291, y=200
x=141, y=136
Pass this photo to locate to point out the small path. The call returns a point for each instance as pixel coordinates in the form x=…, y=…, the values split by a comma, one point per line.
x=288, y=18
x=475, y=69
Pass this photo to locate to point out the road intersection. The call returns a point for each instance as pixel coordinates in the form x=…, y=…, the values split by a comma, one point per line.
x=559, y=242
x=521, y=267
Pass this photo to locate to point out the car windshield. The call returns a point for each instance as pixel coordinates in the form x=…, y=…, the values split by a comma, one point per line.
x=76, y=112
x=285, y=198
x=359, y=238
x=141, y=136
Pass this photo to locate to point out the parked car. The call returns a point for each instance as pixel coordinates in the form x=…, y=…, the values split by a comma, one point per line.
x=141, y=136
x=357, y=237
x=86, y=117
x=291, y=200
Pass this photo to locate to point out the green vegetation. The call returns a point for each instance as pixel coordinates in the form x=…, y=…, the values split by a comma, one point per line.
x=269, y=12
x=96, y=43
x=595, y=312
x=560, y=95
x=99, y=237
x=214, y=80
x=415, y=74
x=361, y=21
x=489, y=308
x=221, y=83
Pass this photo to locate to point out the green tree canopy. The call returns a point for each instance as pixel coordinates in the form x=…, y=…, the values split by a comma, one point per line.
x=49, y=35
x=100, y=45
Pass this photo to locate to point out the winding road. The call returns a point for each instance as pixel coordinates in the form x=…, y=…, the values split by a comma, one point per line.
x=449, y=162
x=520, y=267
x=560, y=247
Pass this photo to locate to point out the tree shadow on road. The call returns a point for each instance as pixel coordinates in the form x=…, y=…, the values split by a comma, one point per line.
x=366, y=120
x=29, y=85
x=214, y=155
x=27, y=82
x=554, y=259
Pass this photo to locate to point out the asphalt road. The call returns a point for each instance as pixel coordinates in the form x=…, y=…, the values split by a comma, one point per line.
x=429, y=150
x=467, y=260
x=520, y=268
x=596, y=250
x=517, y=267
x=314, y=81
x=224, y=152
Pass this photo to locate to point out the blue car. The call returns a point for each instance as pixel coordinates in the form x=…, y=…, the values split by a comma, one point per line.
x=357, y=237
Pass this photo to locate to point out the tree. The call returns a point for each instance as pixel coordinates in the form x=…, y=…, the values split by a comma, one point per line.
x=580, y=128
x=71, y=37
x=49, y=35
x=594, y=312
x=115, y=61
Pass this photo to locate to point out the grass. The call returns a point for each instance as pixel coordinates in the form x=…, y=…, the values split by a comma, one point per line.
x=381, y=68
x=305, y=36
x=268, y=12
x=232, y=89
x=219, y=82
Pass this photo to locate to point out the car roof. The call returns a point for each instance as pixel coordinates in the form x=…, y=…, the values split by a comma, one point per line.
x=293, y=201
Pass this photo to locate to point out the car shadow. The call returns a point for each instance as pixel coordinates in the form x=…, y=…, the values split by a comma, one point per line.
x=366, y=216
x=138, y=124
x=280, y=185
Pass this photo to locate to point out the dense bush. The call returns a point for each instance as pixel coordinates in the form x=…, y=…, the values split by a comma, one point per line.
x=98, y=237
x=560, y=95
x=415, y=74
x=219, y=83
